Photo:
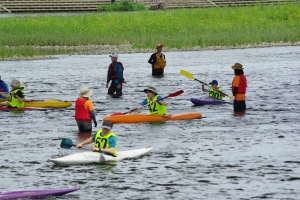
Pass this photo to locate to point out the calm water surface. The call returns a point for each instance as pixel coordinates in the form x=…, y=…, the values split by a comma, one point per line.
x=222, y=156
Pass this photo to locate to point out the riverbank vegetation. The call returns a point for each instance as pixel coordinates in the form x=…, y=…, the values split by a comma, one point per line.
x=181, y=29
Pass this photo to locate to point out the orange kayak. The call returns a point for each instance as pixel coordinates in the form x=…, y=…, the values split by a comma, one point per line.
x=138, y=118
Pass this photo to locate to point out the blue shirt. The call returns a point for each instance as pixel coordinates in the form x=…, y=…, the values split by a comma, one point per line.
x=145, y=101
x=112, y=141
x=3, y=88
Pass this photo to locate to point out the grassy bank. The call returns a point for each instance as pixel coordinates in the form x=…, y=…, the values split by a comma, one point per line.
x=184, y=28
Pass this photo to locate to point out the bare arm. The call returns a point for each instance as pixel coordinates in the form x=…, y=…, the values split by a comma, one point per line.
x=88, y=141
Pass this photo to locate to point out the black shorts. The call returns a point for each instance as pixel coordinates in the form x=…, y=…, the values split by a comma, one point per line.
x=239, y=106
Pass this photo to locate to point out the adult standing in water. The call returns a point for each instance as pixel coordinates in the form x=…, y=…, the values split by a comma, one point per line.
x=239, y=85
x=158, y=61
x=84, y=110
x=3, y=88
x=16, y=97
x=115, y=75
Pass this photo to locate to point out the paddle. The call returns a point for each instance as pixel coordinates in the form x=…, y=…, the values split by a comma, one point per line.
x=190, y=76
x=170, y=95
x=67, y=143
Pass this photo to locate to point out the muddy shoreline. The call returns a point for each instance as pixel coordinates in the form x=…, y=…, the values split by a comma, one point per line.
x=127, y=49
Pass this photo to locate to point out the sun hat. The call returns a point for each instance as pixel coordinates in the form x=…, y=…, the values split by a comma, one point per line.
x=151, y=89
x=107, y=124
x=114, y=55
x=159, y=45
x=214, y=82
x=237, y=66
x=85, y=92
x=15, y=83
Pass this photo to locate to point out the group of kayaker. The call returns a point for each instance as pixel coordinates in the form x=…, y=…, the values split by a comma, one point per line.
x=16, y=97
x=239, y=85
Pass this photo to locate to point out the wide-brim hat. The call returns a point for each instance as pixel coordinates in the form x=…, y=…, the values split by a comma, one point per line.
x=151, y=89
x=237, y=66
x=15, y=83
x=85, y=92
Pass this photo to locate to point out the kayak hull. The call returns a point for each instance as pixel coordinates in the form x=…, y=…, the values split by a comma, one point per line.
x=44, y=104
x=36, y=193
x=20, y=109
x=89, y=157
x=206, y=100
x=139, y=118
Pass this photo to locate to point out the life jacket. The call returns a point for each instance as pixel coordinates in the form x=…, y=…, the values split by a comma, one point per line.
x=14, y=102
x=215, y=94
x=242, y=86
x=102, y=141
x=156, y=108
x=81, y=114
x=161, y=61
x=112, y=74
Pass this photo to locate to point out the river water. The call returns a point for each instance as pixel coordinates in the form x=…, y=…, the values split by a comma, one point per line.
x=221, y=156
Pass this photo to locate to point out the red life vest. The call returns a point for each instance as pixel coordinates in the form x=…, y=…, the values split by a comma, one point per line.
x=112, y=74
x=242, y=86
x=81, y=114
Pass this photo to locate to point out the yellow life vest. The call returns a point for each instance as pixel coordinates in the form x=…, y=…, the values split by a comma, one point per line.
x=14, y=102
x=161, y=61
x=215, y=94
x=102, y=141
x=156, y=108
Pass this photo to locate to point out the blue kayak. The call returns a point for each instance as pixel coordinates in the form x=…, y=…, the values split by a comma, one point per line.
x=206, y=100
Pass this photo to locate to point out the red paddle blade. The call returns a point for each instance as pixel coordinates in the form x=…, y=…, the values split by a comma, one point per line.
x=179, y=92
x=117, y=113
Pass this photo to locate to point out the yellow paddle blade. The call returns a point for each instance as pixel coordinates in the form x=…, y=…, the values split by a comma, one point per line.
x=187, y=74
x=229, y=96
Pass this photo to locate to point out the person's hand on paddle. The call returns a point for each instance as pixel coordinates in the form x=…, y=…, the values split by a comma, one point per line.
x=79, y=145
x=95, y=123
x=96, y=149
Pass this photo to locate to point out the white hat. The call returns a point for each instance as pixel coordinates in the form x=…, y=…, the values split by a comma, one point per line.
x=151, y=89
x=15, y=83
x=85, y=92
x=114, y=55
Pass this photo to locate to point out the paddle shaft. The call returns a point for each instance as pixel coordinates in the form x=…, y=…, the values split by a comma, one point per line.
x=189, y=75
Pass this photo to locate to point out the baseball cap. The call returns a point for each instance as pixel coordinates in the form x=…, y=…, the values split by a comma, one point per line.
x=114, y=55
x=159, y=45
x=107, y=124
x=214, y=82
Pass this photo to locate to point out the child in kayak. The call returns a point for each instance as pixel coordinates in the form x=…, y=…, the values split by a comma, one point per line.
x=214, y=91
x=104, y=140
x=155, y=105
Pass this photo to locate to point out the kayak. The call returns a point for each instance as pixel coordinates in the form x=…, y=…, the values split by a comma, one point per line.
x=35, y=193
x=138, y=118
x=51, y=103
x=20, y=109
x=89, y=157
x=206, y=100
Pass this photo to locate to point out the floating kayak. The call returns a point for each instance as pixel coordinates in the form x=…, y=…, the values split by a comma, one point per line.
x=89, y=157
x=35, y=193
x=206, y=100
x=138, y=118
x=20, y=109
x=51, y=103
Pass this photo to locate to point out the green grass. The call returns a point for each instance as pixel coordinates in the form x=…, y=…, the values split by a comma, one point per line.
x=184, y=28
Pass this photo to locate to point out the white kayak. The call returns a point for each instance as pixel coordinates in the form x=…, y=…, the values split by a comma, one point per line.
x=89, y=157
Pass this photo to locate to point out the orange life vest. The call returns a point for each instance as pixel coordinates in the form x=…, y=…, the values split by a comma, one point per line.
x=81, y=114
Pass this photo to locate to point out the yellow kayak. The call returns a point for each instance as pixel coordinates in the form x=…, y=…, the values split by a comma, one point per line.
x=51, y=103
